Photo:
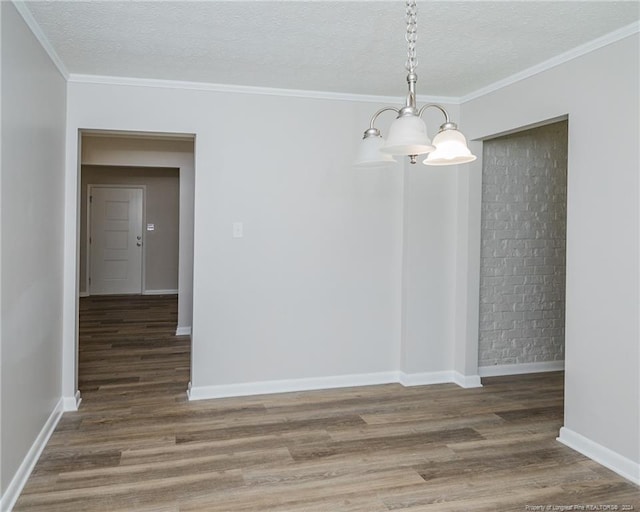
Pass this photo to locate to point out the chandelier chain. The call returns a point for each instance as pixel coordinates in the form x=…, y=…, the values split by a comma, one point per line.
x=412, y=35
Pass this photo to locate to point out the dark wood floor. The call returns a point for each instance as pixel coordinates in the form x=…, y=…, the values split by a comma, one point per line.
x=137, y=444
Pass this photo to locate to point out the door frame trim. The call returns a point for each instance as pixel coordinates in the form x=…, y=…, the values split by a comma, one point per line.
x=143, y=280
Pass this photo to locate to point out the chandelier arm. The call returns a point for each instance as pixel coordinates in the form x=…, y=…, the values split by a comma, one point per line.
x=374, y=117
x=439, y=107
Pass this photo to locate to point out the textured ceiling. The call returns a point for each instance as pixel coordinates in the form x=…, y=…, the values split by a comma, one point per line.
x=352, y=47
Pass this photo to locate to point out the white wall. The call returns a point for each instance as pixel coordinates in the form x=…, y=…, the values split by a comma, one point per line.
x=100, y=149
x=312, y=290
x=429, y=246
x=467, y=200
x=33, y=131
x=599, y=92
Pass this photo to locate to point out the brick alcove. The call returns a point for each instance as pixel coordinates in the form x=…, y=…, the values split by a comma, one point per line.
x=522, y=270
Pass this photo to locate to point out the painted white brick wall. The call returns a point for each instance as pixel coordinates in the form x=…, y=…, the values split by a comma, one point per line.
x=522, y=275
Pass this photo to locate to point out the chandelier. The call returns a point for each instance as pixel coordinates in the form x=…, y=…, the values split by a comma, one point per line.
x=408, y=132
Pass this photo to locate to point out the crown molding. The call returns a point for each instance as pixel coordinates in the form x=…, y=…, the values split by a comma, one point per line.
x=249, y=89
x=447, y=100
x=228, y=88
x=28, y=18
x=574, y=53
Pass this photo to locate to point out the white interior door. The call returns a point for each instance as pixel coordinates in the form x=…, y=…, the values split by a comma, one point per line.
x=115, y=240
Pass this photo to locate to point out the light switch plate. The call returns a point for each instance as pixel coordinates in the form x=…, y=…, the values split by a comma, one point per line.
x=237, y=230
x=151, y=227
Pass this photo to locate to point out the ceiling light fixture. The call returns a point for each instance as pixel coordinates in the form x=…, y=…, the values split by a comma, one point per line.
x=408, y=133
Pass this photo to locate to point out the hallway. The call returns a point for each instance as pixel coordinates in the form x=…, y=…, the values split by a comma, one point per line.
x=128, y=349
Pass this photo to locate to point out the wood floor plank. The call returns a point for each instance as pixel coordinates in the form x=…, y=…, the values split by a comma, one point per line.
x=138, y=445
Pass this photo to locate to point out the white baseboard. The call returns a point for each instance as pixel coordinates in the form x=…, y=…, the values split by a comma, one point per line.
x=424, y=378
x=9, y=498
x=518, y=369
x=84, y=294
x=287, y=386
x=183, y=331
x=602, y=455
x=339, y=381
x=467, y=381
x=71, y=403
x=160, y=292
x=427, y=378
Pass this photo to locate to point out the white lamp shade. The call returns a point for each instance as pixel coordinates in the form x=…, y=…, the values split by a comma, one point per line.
x=369, y=154
x=407, y=136
x=451, y=149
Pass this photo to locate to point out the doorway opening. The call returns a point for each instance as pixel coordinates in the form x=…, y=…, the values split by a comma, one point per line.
x=523, y=245
x=136, y=262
